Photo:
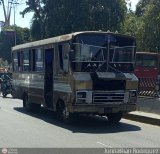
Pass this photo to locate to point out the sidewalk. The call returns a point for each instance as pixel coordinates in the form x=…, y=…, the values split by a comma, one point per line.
x=149, y=118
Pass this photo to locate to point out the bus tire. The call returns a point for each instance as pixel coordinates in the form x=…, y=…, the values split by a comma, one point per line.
x=12, y=94
x=114, y=118
x=158, y=93
x=29, y=107
x=4, y=95
x=157, y=90
x=62, y=112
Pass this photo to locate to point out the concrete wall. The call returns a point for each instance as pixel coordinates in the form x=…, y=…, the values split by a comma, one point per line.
x=151, y=105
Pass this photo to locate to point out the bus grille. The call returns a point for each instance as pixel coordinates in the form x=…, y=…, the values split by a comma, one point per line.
x=107, y=97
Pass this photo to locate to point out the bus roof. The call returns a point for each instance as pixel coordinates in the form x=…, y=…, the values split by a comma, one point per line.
x=62, y=38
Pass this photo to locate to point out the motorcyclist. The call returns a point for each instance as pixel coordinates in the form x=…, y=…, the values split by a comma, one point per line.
x=4, y=78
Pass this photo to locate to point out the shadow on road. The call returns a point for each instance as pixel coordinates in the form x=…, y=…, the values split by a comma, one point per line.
x=83, y=124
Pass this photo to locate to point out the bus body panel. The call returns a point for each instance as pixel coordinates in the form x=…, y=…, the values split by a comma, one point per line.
x=32, y=84
x=147, y=70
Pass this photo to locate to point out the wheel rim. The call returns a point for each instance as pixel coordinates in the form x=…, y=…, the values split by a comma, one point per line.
x=65, y=113
x=158, y=93
x=4, y=95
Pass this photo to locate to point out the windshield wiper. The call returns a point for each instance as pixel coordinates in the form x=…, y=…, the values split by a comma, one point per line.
x=116, y=70
x=100, y=66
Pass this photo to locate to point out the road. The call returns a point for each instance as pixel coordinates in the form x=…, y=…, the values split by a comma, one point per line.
x=19, y=129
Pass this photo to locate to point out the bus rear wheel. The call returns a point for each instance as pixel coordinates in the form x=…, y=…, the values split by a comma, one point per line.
x=114, y=118
x=30, y=107
x=4, y=95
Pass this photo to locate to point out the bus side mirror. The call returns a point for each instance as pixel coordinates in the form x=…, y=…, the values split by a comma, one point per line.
x=71, y=55
x=65, y=65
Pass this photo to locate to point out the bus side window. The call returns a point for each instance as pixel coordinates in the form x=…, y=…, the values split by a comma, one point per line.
x=26, y=61
x=16, y=62
x=38, y=62
x=64, y=57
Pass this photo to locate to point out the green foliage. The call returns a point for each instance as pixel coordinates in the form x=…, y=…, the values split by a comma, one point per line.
x=130, y=24
x=141, y=7
x=7, y=40
x=38, y=24
x=52, y=17
x=134, y=26
x=144, y=24
x=57, y=17
x=151, y=21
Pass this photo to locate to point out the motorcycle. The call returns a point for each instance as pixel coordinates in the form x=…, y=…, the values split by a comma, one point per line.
x=6, y=87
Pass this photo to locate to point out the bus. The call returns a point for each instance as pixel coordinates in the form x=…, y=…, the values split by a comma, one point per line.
x=87, y=72
x=148, y=71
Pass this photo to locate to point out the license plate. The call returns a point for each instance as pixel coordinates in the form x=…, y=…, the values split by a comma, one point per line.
x=127, y=107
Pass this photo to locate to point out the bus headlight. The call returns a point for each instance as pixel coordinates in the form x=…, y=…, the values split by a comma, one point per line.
x=83, y=97
x=133, y=93
x=133, y=96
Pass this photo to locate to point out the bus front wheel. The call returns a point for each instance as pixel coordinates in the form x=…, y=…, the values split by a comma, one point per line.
x=114, y=118
x=62, y=112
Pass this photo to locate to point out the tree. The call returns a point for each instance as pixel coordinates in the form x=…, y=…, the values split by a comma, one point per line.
x=144, y=24
x=7, y=42
x=7, y=39
x=151, y=20
x=56, y=17
x=141, y=7
x=134, y=26
x=69, y=16
x=38, y=24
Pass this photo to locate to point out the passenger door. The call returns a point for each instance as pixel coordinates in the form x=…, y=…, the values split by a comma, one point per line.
x=48, y=77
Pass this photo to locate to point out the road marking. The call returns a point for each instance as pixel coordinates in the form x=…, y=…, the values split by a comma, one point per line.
x=107, y=146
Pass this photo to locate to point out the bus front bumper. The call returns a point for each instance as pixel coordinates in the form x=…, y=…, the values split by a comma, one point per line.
x=102, y=110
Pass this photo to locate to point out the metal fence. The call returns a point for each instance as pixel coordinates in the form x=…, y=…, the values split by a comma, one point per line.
x=148, y=87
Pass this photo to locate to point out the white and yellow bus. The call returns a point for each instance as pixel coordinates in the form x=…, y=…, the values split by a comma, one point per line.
x=89, y=72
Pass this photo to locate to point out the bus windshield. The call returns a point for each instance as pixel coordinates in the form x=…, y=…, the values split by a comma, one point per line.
x=89, y=53
x=99, y=52
x=123, y=55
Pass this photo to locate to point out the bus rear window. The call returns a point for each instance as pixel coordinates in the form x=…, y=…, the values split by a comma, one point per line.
x=146, y=60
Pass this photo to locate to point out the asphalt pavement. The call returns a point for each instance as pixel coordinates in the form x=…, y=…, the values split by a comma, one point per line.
x=21, y=129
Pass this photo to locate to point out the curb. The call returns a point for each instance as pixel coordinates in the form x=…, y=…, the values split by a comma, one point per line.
x=143, y=119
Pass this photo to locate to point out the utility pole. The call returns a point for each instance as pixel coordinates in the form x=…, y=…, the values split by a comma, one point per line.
x=7, y=7
x=15, y=36
x=14, y=7
x=7, y=13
